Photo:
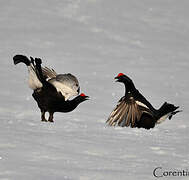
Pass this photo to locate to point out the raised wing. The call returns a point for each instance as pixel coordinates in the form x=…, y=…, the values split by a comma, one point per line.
x=48, y=73
x=66, y=84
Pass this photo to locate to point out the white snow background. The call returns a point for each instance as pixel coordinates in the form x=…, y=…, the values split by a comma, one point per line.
x=95, y=40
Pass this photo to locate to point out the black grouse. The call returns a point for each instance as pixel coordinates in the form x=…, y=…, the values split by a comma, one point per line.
x=135, y=111
x=51, y=91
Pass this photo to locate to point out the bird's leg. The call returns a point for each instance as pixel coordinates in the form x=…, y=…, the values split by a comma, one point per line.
x=50, y=117
x=43, y=116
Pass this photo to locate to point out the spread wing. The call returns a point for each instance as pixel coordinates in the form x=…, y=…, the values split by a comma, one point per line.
x=127, y=113
x=66, y=84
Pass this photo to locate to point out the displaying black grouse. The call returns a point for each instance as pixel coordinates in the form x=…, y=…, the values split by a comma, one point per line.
x=135, y=111
x=66, y=84
x=51, y=91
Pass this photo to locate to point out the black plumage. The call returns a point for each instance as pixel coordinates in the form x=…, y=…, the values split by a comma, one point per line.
x=135, y=111
x=46, y=95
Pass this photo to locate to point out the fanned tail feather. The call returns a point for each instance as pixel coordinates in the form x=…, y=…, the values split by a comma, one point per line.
x=168, y=108
x=21, y=59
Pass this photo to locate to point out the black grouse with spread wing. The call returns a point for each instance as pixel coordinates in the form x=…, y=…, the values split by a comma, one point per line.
x=135, y=111
x=51, y=91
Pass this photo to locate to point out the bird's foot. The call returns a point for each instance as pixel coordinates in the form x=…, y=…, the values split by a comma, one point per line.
x=43, y=120
x=50, y=120
x=50, y=117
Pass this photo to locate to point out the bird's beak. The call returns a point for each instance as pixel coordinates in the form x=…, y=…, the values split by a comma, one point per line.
x=117, y=79
x=87, y=98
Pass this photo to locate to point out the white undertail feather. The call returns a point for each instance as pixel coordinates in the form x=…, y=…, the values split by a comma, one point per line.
x=163, y=118
x=33, y=81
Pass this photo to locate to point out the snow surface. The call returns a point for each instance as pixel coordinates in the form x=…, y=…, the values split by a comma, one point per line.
x=94, y=39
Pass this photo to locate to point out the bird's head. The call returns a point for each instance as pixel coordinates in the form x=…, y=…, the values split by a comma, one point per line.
x=82, y=97
x=123, y=78
x=126, y=80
